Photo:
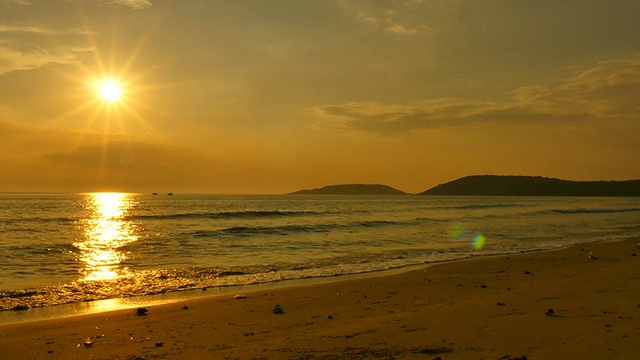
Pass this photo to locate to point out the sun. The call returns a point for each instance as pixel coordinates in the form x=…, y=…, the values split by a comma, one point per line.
x=110, y=90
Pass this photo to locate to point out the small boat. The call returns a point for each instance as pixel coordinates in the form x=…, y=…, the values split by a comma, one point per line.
x=170, y=194
x=155, y=193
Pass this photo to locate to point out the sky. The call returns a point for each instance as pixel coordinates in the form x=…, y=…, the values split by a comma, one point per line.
x=266, y=96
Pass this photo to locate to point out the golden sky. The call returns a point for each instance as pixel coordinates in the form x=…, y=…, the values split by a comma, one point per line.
x=268, y=96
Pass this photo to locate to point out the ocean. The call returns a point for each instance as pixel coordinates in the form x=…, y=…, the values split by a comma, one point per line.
x=77, y=248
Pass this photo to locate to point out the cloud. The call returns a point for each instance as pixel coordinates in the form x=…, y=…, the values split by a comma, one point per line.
x=393, y=119
x=19, y=2
x=610, y=89
x=607, y=91
x=392, y=18
x=73, y=159
x=38, y=30
x=135, y=4
x=119, y=154
x=399, y=29
x=15, y=59
x=16, y=53
x=23, y=29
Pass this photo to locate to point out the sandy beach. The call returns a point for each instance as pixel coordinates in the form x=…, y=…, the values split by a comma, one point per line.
x=581, y=302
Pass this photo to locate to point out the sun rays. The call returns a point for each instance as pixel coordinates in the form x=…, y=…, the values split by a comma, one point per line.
x=109, y=101
x=109, y=96
x=113, y=93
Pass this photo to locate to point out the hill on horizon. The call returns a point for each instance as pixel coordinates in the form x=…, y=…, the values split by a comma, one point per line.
x=352, y=189
x=507, y=185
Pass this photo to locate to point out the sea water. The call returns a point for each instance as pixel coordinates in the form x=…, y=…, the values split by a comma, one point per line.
x=60, y=249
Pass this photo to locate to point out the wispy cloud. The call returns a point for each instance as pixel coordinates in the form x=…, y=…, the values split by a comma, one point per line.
x=23, y=29
x=135, y=4
x=19, y=2
x=13, y=59
x=608, y=91
x=390, y=19
x=18, y=54
x=399, y=29
x=38, y=30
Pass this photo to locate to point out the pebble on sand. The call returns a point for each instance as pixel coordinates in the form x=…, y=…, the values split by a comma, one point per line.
x=142, y=311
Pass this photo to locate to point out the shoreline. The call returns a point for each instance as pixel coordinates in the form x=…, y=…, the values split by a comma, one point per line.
x=11, y=316
x=482, y=308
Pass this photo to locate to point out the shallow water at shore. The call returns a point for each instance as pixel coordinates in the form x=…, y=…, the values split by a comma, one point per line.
x=62, y=249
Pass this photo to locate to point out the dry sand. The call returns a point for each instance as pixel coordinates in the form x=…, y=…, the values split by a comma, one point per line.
x=484, y=308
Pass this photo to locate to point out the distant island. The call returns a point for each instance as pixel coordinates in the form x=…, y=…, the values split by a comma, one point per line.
x=352, y=189
x=498, y=185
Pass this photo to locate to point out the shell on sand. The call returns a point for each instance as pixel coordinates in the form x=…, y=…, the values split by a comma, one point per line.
x=88, y=342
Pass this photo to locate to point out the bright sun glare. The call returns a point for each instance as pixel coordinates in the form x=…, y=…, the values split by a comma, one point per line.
x=110, y=91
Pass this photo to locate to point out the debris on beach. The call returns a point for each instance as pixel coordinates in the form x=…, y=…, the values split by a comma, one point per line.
x=278, y=310
x=432, y=350
x=88, y=342
x=239, y=297
x=550, y=312
x=501, y=303
x=142, y=311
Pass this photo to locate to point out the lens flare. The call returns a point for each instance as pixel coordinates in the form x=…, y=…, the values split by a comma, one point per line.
x=478, y=241
x=457, y=231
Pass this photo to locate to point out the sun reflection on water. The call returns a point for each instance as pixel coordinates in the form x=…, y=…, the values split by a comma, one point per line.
x=106, y=232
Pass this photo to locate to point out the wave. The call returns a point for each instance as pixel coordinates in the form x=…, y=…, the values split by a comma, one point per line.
x=476, y=206
x=259, y=230
x=586, y=211
x=10, y=221
x=225, y=215
x=290, y=229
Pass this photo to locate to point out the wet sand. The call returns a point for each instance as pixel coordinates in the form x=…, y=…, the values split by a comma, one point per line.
x=483, y=308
